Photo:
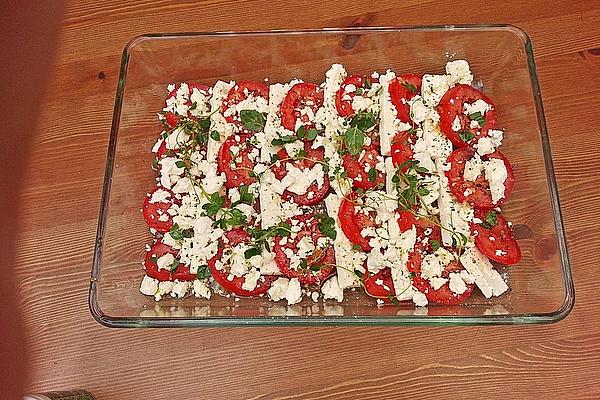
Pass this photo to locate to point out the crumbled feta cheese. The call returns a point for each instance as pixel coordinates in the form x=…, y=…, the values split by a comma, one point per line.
x=165, y=261
x=458, y=71
x=433, y=88
x=278, y=289
x=457, y=284
x=149, y=286
x=201, y=289
x=293, y=294
x=496, y=174
x=332, y=290
x=419, y=299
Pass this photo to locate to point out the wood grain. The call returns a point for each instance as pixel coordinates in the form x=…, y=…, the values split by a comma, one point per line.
x=62, y=193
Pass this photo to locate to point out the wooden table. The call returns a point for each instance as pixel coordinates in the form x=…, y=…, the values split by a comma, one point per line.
x=60, y=205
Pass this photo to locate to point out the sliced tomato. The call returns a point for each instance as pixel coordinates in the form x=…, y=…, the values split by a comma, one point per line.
x=315, y=193
x=358, y=168
x=496, y=243
x=477, y=193
x=427, y=233
x=443, y=295
x=237, y=165
x=238, y=93
x=344, y=106
x=221, y=276
x=159, y=249
x=172, y=119
x=380, y=285
x=401, y=150
x=319, y=265
x=164, y=152
x=403, y=88
x=452, y=105
x=299, y=96
x=156, y=214
x=353, y=222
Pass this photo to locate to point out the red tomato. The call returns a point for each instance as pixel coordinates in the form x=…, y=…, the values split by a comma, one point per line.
x=235, y=237
x=172, y=119
x=443, y=295
x=496, y=243
x=299, y=96
x=426, y=233
x=237, y=165
x=344, y=107
x=159, y=249
x=352, y=223
x=380, y=285
x=478, y=192
x=452, y=105
x=315, y=193
x=164, y=152
x=152, y=211
x=238, y=93
x=401, y=90
x=401, y=150
x=357, y=168
x=321, y=257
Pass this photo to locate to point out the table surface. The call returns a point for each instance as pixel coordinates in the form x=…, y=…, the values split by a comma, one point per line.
x=62, y=192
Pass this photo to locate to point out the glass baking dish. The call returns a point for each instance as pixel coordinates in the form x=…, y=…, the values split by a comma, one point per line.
x=500, y=56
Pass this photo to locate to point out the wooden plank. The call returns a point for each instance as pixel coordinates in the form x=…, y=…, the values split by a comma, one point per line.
x=60, y=207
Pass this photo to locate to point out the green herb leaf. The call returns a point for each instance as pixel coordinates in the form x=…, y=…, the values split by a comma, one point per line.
x=204, y=124
x=327, y=227
x=174, y=265
x=153, y=259
x=154, y=163
x=251, y=252
x=283, y=140
x=435, y=245
x=203, y=272
x=411, y=88
x=465, y=136
x=315, y=267
x=252, y=120
x=245, y=195
x=358, y=91
x=193, y=106
x=214, y=135
x=490, y=220
x=274, y=158
x=354, y=140
x=477, y=116
x=367, y=84
x=300, y=154
x=356, y=247
x=392, y=299
x=217, y=199
x=311, y=134
x=363, y=121
x=372, y=174
x=175, y=232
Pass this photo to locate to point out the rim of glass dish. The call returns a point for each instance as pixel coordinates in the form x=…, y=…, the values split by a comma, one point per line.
x=216, y=321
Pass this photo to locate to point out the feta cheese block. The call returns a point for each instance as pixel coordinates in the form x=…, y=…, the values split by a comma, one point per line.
x=487, y=279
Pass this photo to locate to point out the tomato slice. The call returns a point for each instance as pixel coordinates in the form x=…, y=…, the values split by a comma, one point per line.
x=353, y=222
x=344, y=106
x=315, y=193
x=159, y=249
x=237, y=165
x=238, y=93
x=172, y=119
x=403, y=88
x=380, y=285
x=401, y=150
x=477, y=193
x=358, y=168
x=451, y=106
x=235, y=237
x=299, y=96
x=496, y=243
x=443, y=295
x=322, y=259
x=156, y=214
